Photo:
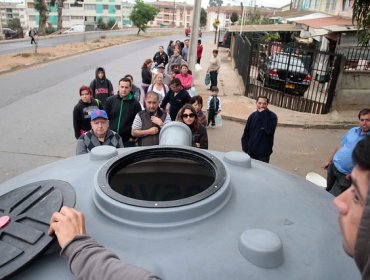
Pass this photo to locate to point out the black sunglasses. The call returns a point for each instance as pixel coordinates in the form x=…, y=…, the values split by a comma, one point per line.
x=185, y=116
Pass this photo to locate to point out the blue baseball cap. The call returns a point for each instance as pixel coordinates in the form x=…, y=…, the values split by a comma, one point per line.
x=99, y=114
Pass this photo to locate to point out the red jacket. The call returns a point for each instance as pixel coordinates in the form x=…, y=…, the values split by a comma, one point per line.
x=199, y=51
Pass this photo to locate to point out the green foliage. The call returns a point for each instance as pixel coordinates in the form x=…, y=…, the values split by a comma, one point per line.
x=203, y=17
x=42, y=8
x=234, y=17
x=215, y=3
x=14, y=24
x=101, y=24
x=111, y=23
x=141, y=14
x=49, y=30
x=361, y=15
x=272, y=37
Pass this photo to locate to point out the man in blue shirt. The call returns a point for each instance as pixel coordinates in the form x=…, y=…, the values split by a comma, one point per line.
x=340, y=163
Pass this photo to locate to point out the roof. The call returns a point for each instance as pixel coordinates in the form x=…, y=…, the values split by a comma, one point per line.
x=308, y=16
x=264, y=28
x=327, y=21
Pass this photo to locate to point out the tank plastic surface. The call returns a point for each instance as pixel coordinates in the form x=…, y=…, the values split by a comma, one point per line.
x=186, y=213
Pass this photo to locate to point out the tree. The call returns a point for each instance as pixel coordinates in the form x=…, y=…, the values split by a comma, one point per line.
x=203, y=17
x=42, y=8
x=14, y=24
x=215, y=3
x=59, y=4
x=234, y=17
x=141, y=14
x=361, y=15
x=101, y=24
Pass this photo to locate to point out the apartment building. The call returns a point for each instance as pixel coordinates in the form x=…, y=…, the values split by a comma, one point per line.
x=178, y=14
x=75, y=13
x=11, y=10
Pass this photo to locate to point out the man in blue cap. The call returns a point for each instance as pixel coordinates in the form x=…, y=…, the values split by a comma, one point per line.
x=100, y=134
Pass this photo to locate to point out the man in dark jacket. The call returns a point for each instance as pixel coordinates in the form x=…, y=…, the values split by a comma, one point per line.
x=122, y=109
x=354, y=209
x=101, y=87
x=177, y=97
x=160, y=57
x=258, y=136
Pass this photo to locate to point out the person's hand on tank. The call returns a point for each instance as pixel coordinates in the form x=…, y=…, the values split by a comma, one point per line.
x=66, y=224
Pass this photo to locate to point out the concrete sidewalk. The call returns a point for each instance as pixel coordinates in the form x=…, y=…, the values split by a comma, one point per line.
x=237, y=107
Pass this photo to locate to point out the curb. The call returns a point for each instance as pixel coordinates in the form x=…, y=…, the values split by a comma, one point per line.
x=293, y=125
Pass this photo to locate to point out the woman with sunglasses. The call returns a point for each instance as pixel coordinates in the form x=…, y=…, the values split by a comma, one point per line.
x=188, y=116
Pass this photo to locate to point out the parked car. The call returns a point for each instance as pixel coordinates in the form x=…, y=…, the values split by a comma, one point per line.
x=12, y=34
x=284, y=72
x=188, y=30
x=76, y=28
x=225, y=41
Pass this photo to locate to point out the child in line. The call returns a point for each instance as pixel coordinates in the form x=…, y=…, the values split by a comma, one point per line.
x=197, y=102
x=213, y=106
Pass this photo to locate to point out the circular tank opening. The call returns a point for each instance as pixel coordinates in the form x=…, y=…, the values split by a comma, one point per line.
x=162, y=177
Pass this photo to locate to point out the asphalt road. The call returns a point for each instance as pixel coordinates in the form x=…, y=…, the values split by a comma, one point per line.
x=22, y=45
x=37, y=104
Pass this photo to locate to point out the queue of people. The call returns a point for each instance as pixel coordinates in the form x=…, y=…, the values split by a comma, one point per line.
x=135, y=114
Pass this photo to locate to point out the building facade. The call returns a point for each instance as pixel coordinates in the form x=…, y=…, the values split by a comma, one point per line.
x=76, y=13
x=10, y=11
x=172, y=14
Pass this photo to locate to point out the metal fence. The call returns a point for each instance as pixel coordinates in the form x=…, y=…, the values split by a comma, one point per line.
x=292, y=77
x=356, y=58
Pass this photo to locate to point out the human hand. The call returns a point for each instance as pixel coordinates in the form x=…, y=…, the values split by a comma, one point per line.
x=156, y=120
x=66, y=224
x=326, y=164
x=154, y=130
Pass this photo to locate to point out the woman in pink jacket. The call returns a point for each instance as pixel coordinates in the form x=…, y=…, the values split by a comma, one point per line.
x=185, y=77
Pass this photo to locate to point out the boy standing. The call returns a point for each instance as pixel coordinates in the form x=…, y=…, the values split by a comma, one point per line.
x=213, y=106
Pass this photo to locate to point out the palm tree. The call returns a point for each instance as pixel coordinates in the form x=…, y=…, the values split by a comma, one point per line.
x=42, y=8
x=59, y=4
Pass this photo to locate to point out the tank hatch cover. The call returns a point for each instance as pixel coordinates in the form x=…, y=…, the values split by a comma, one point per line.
x=24, y=221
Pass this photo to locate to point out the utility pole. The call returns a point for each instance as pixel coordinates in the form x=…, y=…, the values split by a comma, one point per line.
x=1, y=23
x=173, y=14
x=192, y=56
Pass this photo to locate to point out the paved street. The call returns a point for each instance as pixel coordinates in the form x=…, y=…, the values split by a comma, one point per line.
x=37, y=106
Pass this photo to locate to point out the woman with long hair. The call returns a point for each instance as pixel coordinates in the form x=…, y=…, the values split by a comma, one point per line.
x=188, y=116
x=170, y=48
x=175, y=61
x=158, y=86
x=146, y=74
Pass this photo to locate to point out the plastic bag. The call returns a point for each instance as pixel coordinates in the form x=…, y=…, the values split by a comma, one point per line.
x=207, y=79
x=192, y=91
x=218, y=120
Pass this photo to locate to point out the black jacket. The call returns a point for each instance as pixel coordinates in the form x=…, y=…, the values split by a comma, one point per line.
x=101, y=88
x=258, y=136
x=159, y=58
x=82, y=116
x=176, y=102
x=122, y=112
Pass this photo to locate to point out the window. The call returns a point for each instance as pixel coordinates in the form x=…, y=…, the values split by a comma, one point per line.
x=345, y=5
x=89, y=7
x=118, y=7
x=77, y=17
x=105, y=7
